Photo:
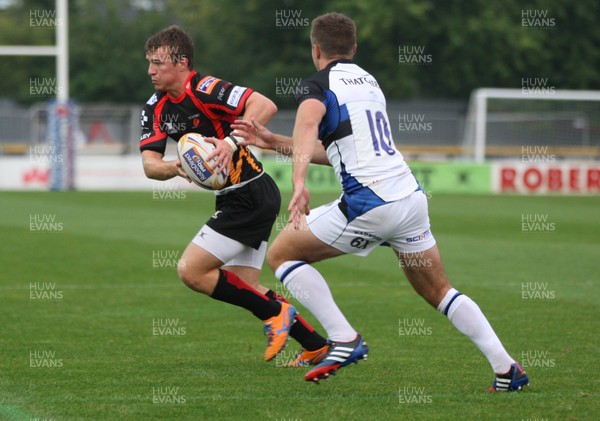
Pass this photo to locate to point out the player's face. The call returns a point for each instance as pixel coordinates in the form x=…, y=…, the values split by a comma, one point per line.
x=165, y=74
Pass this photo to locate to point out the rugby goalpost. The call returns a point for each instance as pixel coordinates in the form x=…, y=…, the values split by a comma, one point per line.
x=532, y=121
x=61, y=111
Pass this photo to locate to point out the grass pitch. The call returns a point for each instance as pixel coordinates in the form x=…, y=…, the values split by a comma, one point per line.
x=95, y=324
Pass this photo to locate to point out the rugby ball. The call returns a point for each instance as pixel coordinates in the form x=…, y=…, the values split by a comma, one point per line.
x=192, y=150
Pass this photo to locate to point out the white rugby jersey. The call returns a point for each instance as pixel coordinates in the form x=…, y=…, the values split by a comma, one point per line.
x=356, y=134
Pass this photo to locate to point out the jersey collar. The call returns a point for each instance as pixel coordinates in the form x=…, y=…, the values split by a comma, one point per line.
x=338, y=61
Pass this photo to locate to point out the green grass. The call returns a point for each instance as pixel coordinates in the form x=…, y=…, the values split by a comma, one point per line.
x=98, y=254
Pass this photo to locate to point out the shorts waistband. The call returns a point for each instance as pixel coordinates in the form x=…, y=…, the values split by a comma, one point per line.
x=237, y=186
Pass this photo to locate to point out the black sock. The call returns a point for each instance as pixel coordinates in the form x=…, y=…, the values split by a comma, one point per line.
x=301, y=331
x=233, y=290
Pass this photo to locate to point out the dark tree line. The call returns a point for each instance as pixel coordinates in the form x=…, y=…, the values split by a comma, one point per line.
x=416, y=48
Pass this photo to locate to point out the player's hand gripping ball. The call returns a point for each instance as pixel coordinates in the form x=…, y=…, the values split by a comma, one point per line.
x=193, y=150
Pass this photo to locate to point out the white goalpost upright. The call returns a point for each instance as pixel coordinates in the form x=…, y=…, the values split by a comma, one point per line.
x=62, y=114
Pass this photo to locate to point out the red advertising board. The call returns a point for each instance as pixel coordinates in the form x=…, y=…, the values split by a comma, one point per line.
x=555, y=178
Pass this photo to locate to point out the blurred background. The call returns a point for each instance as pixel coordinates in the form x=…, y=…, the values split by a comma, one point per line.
x=482, y=96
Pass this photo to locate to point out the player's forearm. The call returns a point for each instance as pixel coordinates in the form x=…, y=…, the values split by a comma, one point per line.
x=156, y=168
x=284, y=145
x=163, y=171
x=299, y=171
x=320, y=155
x=304, y=141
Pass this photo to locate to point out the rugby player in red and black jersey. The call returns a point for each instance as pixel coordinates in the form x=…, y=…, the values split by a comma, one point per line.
x=225, y=258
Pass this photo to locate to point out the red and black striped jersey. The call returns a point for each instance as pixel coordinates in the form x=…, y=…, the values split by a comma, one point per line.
x=208, y=106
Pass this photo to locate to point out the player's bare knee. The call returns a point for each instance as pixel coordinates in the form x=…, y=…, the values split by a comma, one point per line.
x=274, y=258
x=184, y=275
x=194, y=281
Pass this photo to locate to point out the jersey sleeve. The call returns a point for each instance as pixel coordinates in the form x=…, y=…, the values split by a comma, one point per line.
x=310, y=88
x=221, y=97
x=152, y=137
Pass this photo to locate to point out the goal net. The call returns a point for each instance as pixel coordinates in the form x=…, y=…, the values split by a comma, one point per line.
x=533, y=122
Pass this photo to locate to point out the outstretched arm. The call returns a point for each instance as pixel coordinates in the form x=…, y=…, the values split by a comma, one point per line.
x=258, y=135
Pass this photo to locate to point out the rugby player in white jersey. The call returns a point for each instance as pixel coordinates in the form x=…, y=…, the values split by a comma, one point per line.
x=342, y=121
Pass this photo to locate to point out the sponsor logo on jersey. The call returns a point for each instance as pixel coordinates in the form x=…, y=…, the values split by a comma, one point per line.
x=235, y=96
x=152, y=100
x=222, y=92
x=360, y=81
x=143, y=118
x=196, y=122
x=207, y=84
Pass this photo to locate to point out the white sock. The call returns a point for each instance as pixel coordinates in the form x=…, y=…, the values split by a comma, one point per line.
x=307, y=285
x=468, y=319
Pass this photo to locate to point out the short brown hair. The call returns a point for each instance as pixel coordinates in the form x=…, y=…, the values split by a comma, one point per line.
x=334, y=33
x=178, y=43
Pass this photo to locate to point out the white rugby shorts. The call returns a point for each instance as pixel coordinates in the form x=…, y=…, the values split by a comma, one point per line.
x=403, y=225
x=229, y=251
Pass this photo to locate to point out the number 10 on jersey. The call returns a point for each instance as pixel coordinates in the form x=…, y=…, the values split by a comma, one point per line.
x=380, y=133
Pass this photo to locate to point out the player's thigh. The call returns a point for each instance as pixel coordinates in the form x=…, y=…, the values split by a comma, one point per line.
x=409, y=227
x=196, y=262
x=298, y=244
x=425, y=272
x=209, y=250
x=358, y=235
